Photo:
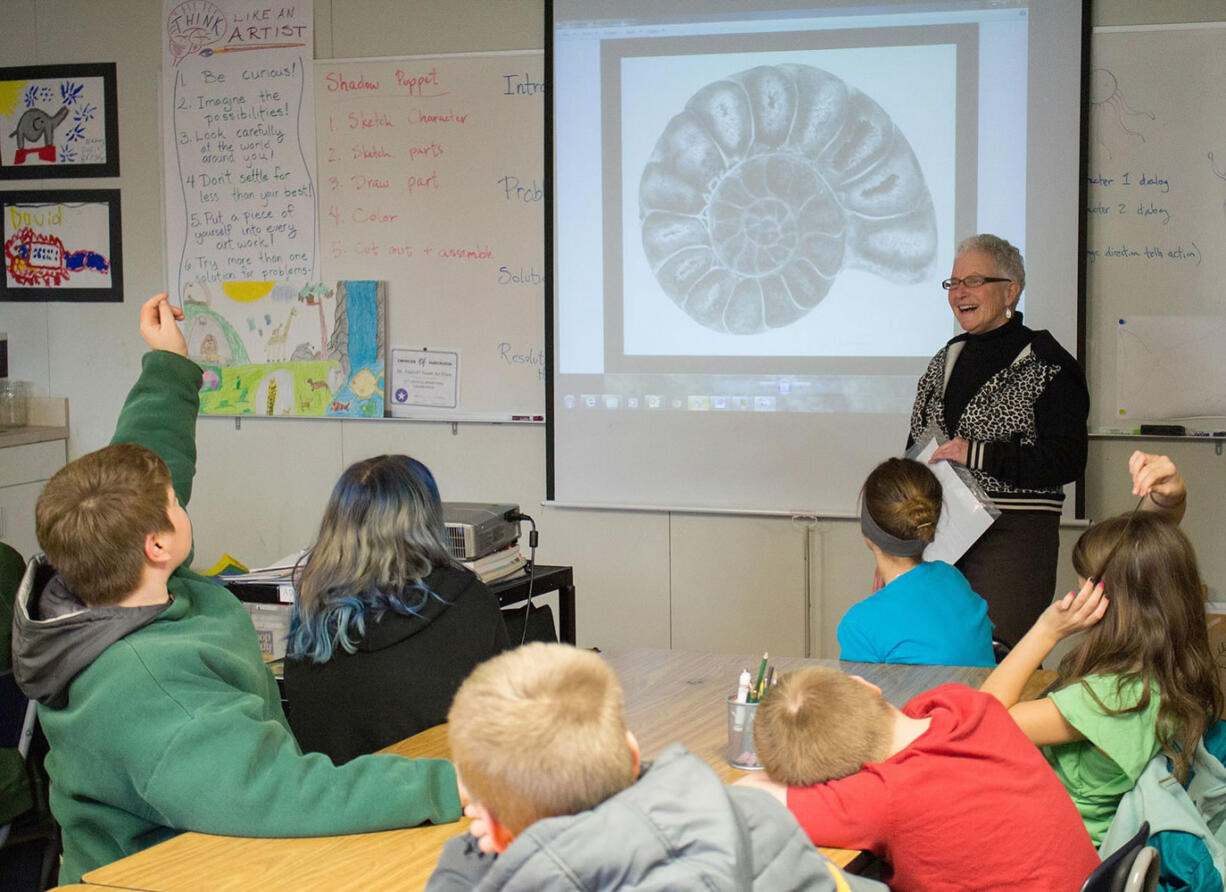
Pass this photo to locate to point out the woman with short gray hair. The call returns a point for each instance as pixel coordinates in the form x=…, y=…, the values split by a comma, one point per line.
x=1012, y=404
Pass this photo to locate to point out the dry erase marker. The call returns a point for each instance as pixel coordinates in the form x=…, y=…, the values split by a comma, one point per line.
x=739, y=713
x=742, y=687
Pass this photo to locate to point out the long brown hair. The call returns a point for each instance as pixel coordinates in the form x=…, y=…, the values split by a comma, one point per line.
x=1154, y=630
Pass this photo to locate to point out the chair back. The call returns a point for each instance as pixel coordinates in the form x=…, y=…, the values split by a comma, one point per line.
x=30, y=841
x=17, y=714
x=1115, y=874
x=25, y=737
x=1143, y=876
x=1000, y=650
x=12, y=568
x=532, y=622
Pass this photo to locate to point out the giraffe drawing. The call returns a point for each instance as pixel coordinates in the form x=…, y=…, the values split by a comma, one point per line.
x=274, y=347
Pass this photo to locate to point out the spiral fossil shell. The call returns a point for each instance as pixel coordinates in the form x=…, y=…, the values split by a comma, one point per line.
x=766, y=185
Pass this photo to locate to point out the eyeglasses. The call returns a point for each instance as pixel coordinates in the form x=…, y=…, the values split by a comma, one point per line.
x=971, y=281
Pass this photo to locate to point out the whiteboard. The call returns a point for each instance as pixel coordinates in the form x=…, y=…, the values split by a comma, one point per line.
x=1156, y=227
x=1171, y=367
x=431, y=179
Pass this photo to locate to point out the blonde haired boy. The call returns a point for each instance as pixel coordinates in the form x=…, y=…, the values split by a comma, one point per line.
x=539, y=739
x=947, y=791
x=152, y=691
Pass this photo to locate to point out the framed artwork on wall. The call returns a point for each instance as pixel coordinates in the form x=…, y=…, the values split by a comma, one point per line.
x=59, y=121
x=61, y=245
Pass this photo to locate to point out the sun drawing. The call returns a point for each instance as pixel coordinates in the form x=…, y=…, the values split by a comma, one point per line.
x=246, y=292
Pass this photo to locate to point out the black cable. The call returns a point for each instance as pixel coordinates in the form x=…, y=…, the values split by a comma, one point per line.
x=517, y=517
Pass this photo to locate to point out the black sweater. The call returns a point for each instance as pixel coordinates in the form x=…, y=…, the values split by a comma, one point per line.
x=402, y=677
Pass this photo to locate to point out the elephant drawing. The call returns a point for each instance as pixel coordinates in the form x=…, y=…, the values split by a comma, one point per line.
x=36, y=124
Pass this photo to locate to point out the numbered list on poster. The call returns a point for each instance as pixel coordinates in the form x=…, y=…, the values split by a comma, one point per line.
x=431, y=177
x=240, y=152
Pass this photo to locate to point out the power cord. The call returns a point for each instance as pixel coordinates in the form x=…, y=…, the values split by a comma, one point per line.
x=517, y=517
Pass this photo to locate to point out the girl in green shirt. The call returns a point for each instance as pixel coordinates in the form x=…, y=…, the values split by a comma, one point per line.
x=1142, y=680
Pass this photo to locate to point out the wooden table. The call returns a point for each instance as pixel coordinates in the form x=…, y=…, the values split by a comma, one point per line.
x=675, y=696
x=671, y=696
x=393, y=859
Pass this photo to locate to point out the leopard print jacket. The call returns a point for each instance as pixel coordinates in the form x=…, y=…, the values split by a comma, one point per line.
x=1042, y=390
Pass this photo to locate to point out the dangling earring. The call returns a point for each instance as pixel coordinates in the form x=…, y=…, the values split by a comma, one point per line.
x=1008, y=313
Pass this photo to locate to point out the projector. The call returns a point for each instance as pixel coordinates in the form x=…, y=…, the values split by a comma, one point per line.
x=474, y=529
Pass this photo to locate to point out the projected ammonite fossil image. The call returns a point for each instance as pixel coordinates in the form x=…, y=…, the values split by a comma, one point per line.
x=767, y=185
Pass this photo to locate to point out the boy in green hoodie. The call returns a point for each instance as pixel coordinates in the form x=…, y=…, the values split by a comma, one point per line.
x=152, y=690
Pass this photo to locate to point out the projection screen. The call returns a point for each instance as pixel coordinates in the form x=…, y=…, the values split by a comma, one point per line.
x=753, y=207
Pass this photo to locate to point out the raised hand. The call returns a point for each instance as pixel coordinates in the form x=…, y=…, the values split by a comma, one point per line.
x=1156, y=478
x=159, y=325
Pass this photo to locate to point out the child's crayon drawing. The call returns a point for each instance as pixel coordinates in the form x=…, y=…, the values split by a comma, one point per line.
x=54, y=121
x=268, y=348
x=57, y=244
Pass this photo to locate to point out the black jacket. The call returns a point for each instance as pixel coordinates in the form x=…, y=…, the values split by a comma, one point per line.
x=1023, y=412
x=403, y=675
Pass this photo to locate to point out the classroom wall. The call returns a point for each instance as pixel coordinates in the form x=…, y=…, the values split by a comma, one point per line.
x=643, y=579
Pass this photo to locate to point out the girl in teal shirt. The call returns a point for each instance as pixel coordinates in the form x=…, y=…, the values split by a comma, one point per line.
x=925, y=612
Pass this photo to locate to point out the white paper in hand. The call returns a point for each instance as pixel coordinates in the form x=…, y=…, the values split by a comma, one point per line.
x=966, y=511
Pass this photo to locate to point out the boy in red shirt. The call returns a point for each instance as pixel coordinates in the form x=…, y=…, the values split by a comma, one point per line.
x=947, y=791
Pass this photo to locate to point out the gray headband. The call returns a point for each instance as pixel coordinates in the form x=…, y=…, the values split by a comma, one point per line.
x=888, y=543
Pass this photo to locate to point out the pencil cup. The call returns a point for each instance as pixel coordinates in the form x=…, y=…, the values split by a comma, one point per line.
x=741, y=750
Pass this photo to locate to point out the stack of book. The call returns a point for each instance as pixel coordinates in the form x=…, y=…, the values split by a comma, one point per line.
x=497, y=564
x=268, y=595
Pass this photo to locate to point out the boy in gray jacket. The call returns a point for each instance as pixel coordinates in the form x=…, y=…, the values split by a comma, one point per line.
x=539, y=739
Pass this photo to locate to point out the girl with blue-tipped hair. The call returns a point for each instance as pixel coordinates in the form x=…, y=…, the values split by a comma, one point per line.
x=386, y=623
